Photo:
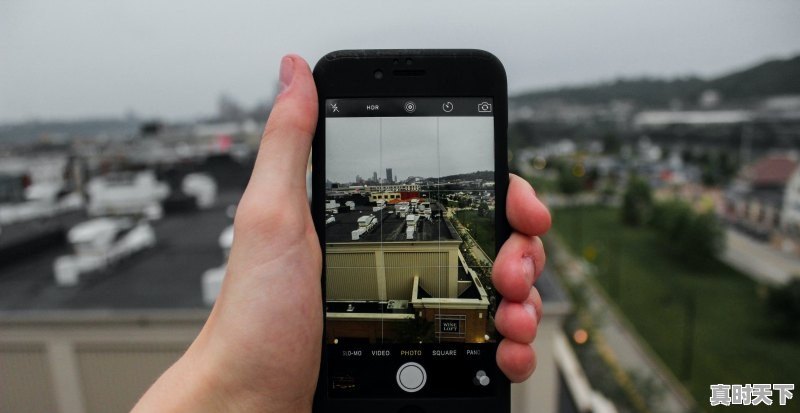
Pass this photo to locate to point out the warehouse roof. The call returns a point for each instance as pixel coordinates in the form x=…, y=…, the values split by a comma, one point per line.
x=389, y=226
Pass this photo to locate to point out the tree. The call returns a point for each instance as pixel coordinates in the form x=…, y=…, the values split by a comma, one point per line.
x=671, y=217
x=696, y=238
x=483, y=209
x=702, y=239
x=637, y=202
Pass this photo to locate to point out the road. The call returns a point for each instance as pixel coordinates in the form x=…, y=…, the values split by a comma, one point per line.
x=759, y=260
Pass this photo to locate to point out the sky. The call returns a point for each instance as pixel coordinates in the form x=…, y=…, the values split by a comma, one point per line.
x=173, y=59
x=412, y=146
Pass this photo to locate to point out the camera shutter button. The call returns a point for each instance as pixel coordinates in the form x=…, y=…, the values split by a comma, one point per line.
x=411, y=377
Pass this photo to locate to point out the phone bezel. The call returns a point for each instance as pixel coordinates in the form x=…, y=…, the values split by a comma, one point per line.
x=450, y=73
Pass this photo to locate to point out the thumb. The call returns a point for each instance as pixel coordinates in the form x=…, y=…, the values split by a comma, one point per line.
x=285, y=146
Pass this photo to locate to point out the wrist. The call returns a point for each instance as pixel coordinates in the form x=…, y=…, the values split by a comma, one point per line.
x=204, y=380
x=187, y=386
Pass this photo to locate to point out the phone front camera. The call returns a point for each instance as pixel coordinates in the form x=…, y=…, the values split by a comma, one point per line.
x=379, y=74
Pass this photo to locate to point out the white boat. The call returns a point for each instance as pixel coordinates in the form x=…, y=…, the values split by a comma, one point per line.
x=100, y=243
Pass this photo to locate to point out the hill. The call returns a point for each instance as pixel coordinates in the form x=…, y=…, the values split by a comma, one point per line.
x=60, y=130
x=469, y=176
x=781, y=76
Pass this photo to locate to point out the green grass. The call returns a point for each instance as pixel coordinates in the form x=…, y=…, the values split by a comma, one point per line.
x=481, y=229
x=733, y=343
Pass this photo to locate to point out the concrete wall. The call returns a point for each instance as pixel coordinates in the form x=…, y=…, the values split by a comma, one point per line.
x=102, y=362
x=371, y=271
x=87, y=362
x=540, y=392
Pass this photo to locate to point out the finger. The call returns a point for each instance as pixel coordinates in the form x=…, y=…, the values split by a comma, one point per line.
x=516, y=360
x=286, y=142
x=518, y=264
x=537, y=304
x=525, y=212
x=519, y=321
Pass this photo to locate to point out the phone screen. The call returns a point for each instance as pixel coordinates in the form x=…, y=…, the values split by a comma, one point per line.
x=409, y=247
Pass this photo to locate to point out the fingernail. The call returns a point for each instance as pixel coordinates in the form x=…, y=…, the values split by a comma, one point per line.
x=287, y=73
x=530, y=309
x=528, y=267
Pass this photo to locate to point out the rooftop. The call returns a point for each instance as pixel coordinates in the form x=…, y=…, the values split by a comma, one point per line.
x=167, y=276
x=389, y=226
x=771, y=170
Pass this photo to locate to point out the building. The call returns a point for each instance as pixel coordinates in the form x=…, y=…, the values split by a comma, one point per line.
x=39, y=200
x=414, y=187
x=755, y=201
x=788, y=236
x=387, y=269
x=389, y=177
x=97, y=346
x=376, y=197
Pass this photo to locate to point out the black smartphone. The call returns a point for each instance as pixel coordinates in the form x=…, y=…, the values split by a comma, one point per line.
x=409, y=181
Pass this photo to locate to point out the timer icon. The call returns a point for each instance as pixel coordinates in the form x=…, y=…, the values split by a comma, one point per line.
x=447, y=107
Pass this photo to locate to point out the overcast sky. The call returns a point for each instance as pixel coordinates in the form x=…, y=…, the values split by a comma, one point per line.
x=411, y=146
x=71, y=59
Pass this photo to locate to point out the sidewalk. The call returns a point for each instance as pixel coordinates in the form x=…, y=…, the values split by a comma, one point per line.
x=620, y=343
x=759, y=260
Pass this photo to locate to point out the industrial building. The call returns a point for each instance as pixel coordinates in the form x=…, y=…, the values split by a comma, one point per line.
x=390, y=266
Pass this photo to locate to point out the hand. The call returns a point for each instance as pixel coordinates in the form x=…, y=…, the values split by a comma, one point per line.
x=517, y=266
x=260, y=349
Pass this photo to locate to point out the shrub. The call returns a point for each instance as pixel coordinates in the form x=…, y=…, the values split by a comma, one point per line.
x=696, y=237
x=637, y=202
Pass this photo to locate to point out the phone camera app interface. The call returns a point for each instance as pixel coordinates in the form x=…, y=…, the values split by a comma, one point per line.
x=410, y=242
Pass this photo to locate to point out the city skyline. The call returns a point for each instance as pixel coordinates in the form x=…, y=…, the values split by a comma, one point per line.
x=397, y=179
x=420, y=146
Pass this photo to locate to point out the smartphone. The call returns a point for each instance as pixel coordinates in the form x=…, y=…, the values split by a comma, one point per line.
x=409, y=181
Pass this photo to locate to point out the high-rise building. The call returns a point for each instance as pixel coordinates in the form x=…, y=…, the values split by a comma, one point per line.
x=389, y=175
x=374, y=176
